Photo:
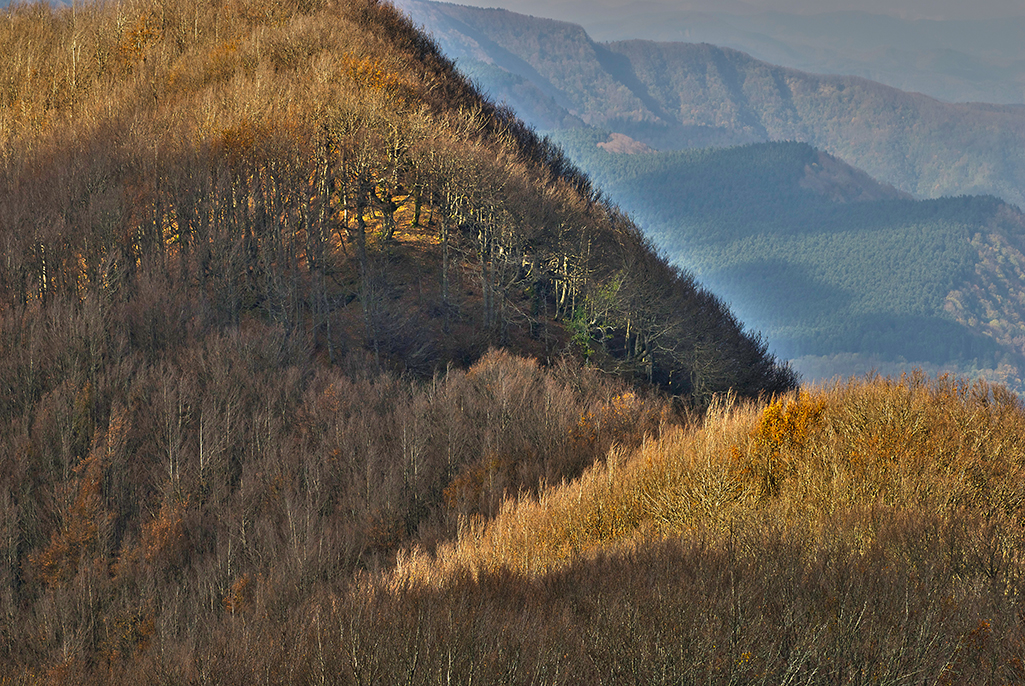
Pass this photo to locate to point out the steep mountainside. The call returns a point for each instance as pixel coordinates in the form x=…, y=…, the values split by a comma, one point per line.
x=268, y=275
x=401, y=165
x=675, y=95
x=280, y=295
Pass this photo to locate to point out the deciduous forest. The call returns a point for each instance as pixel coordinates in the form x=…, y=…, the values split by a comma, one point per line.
x=319, y=367
x=254, y=258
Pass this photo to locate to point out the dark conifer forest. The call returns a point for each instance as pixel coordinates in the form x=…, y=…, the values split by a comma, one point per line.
x=825, y=260
x=316, y=366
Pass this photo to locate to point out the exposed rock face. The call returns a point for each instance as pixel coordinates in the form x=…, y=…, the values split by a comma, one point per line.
x=621, y=143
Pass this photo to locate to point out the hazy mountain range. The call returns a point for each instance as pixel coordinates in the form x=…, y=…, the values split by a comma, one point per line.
x=586, y=11
x=956, y=61
x=678, y=95
x=954, y=53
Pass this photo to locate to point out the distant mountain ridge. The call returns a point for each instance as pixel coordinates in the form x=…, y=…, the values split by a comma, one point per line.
x=978, y=59
x=678, y=95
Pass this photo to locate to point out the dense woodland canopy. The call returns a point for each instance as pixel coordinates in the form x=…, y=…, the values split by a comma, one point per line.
x=263, y=168
x=280, y=295
x=316, y=367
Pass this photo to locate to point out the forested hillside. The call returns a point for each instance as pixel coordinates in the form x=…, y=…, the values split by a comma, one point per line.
x=282, y=295
x=826, y=261
x=678, y=95
x=341, y=184
x=317, y=367
x=865, y=533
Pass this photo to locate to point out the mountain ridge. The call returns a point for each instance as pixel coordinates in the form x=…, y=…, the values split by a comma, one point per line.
x=721, y=97
x=962, y=58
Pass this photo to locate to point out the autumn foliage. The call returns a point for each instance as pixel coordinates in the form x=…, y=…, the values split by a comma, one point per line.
x=313, y=359
x=885, y=543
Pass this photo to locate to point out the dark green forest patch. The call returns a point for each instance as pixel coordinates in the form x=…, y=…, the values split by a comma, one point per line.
x=771, y=228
